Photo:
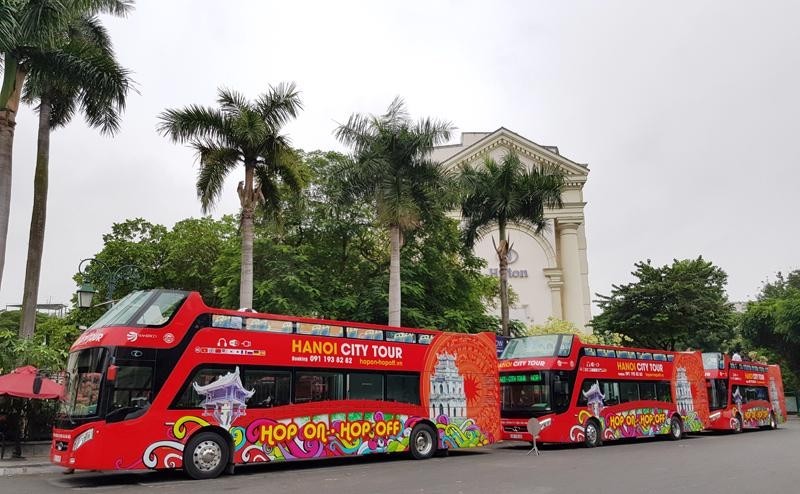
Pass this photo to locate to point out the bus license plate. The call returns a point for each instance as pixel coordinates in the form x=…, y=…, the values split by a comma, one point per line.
x=516, y=436
x=57, y=458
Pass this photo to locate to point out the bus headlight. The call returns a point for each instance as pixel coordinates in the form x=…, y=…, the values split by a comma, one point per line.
x=83, y=438
x=545, y=423
x=715, y=416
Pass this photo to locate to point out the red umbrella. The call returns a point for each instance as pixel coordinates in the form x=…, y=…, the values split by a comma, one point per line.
x=24, y=382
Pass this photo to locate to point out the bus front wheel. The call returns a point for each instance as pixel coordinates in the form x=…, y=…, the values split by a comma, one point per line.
x=206, y=456
x=592, y=434
x=675, y=429
x=422, y=442
x=773, y=422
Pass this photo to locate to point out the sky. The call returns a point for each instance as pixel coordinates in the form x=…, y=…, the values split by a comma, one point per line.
x=684, y=111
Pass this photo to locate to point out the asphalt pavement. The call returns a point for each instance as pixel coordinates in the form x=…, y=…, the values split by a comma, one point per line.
x=759, y=461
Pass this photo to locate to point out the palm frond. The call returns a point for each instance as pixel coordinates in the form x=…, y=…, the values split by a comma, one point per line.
x=215, y=164
x=193, y=122
x=232, y=102
x=9, y=25
x=358, y=132
x=279, y=104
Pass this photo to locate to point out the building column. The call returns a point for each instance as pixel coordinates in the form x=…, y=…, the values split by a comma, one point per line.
x=569, y=256
x=555, y=282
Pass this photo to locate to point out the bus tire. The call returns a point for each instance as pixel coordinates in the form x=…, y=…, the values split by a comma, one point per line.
x=422, y=442
x=206, y=456
x=591, y=434
x=773, y=421
x=675, y=428
x=737, y=423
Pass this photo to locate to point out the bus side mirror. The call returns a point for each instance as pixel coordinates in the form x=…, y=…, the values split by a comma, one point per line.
x=111, y=375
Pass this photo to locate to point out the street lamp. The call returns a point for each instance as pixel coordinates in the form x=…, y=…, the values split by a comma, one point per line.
x=126, y=272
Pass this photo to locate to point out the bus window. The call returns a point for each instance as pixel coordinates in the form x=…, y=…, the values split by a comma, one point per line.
x=670, y=358
x=317, y=386
x=230, y=322
x=273, y=326
x=403, y=388
x=424, y=339
x=566, y=346
x=647, y=391
x=320, y=330
x=365, y=334
x=400, y=337
x=660, y=357
x=271, y=387
x=363, y=386
x=644, y=355
x=589, y=351
x=717, y=393
x=664, y=391
x=629, y=391
x=202, y=376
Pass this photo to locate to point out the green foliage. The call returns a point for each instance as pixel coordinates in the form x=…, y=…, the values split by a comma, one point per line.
x=672, y=307
x=47, y=350
x=560, y=326
x=772, y=324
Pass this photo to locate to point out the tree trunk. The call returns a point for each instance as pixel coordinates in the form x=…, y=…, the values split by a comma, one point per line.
x=502, y=256
x=394, y=276
x=33, y=268
x=8, y=110
x=248, y=201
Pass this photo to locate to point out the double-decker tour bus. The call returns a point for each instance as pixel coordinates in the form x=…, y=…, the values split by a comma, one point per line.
x=743, y=395
x=163, y=381
x=582, y=393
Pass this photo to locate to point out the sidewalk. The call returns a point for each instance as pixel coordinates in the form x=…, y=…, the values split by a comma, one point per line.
x=31, y=465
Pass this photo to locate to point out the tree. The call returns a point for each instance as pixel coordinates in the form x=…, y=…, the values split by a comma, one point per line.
x=391, y=170
x=84, y=74
x=28, y=28
x=500, y=194
x=241, y=132
x=773, y=323
x=672, y=307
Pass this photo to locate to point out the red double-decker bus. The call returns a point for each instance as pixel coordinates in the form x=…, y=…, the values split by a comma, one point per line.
x=163, y=381
x=592, y=393
x=743, y=395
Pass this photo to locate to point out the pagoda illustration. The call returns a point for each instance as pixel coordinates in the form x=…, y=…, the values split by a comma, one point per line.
x=737, y=397
x=447, y=389
x=225, y=398
x=774, y=398
x=594, y=398
x=684, y=391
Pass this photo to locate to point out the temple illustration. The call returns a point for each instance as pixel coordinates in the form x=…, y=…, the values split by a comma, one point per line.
x=684, y=391
x=447, y=389
x=594, y=398
x=225, y=398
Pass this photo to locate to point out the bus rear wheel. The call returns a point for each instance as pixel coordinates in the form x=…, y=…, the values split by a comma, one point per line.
x=675, y=429
x=422, y=442
x=592, y=434
x=206, y=456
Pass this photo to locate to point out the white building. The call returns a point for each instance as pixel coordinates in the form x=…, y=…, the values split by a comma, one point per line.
x=549, y=272
x=447, y=389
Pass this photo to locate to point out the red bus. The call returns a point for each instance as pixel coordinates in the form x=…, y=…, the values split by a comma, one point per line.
x=582, y=393
x=743, y=395
x=163, y=381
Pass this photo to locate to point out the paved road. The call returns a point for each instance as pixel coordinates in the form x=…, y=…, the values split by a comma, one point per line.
x=761, y=461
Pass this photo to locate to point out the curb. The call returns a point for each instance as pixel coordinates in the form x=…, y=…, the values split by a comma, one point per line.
x=29, y=469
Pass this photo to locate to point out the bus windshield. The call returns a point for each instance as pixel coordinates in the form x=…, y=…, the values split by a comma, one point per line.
x=531, y=394
x=548, y=345
x=85, y=376
x=142, y=308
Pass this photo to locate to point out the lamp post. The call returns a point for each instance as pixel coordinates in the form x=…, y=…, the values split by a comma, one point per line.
x=126, y=272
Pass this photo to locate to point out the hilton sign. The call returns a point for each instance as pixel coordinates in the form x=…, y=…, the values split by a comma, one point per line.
x=512, y=273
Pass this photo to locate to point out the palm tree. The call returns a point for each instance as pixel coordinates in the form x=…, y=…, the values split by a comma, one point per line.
x=83, y=75
x=241, y=132
x=26, y=28
x=390, y=168
x=497, y=195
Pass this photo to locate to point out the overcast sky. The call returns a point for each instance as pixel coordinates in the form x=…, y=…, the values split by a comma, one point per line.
x=686, y=113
